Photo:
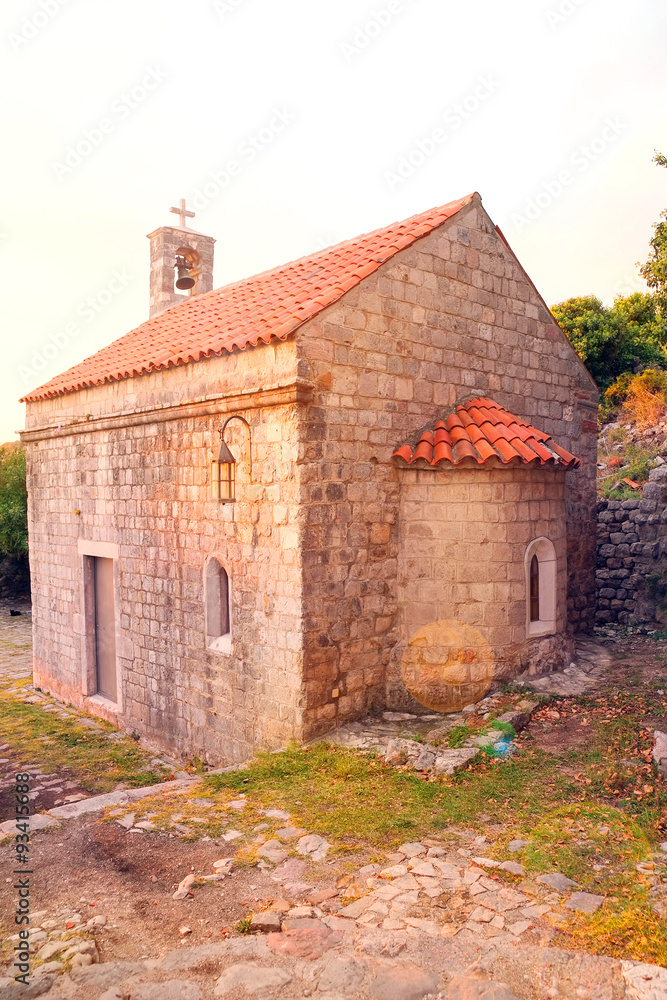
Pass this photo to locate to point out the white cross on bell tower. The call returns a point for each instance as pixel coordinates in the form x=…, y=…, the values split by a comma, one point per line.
x=183, y=213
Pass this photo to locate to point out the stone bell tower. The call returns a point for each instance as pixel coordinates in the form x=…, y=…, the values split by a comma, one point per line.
x=168, y=243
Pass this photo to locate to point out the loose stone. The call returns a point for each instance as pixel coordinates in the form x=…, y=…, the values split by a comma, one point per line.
x=519, y=927
x=584, y=902
x=251, y=977
x=402, y=982
x=558, y=881
x=183, y=890
x=344, y=975
x=412, y=850
x=266, y=922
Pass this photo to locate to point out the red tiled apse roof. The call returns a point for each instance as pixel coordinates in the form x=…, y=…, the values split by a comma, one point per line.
x=480, y=430
x=268, y=306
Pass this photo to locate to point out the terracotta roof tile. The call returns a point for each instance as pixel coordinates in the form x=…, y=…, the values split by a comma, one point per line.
x=480, y=430
x=268, y=306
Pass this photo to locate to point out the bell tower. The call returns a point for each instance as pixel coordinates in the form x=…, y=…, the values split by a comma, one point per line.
x=175, y=247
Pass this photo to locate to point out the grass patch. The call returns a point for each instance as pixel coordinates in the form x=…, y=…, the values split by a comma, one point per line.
x=457, y=735
x=334, y=790
x=596, y=845
x=98, y=763
x=599, y=847
x=631, y=933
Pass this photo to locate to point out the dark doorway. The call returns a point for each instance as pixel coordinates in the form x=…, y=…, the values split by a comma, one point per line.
x=105, y=628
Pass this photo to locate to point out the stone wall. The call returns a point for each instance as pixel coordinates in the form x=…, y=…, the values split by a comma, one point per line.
x=464, y=534
x=449, y=318
x=135, y=475
x=631, y=571
x=14, y=576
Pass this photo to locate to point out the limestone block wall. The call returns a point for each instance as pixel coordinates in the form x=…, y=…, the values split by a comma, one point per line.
x=141, y=484
x=451, y=317
x=464, y=533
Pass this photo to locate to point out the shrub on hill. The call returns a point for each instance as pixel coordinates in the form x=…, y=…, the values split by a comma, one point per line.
x=614, y=340
x=13, y=502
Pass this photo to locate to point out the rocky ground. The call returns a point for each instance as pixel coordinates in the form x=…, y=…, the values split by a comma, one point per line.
x=129, y=903
x=425, y=921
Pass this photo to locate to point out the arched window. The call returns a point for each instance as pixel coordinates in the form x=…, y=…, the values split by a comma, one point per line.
x=541, y=588
x=217, y=593
x=534, y=590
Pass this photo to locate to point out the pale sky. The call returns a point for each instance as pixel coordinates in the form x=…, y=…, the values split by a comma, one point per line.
x=342, y=116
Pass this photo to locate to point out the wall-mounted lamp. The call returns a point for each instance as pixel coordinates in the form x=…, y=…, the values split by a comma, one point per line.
x=223, y=475
x=223, y=466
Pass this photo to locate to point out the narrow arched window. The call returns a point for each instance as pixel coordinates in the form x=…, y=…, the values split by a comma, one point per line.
x=534, y=590
x=541, y=565
x=217, y=595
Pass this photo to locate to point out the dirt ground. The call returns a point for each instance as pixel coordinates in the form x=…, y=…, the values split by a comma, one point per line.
x=92, y=866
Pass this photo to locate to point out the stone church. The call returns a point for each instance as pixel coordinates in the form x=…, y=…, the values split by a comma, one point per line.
x=362, y=479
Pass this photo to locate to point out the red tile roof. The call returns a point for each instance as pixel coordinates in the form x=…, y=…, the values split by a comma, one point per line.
x=268, y=306
x=479, y=430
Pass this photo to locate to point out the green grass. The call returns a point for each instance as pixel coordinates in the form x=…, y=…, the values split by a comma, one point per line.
x=599, y=847
x=457, y=735
x=98, y=763
x=348, y=796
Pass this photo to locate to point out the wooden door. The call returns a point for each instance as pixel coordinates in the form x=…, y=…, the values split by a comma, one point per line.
x=105, y=629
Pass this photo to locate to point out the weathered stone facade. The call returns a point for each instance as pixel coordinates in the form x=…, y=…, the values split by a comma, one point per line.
x=448, y=318
x=334, y=552
x=463, y=537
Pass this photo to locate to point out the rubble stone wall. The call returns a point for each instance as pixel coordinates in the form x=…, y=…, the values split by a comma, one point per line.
x=631, y=573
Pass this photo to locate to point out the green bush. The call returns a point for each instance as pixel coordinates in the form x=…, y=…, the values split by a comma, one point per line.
x=13, y=502
x=612, y=341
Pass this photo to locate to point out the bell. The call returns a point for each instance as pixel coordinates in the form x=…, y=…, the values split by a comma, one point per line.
x=184, y=279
